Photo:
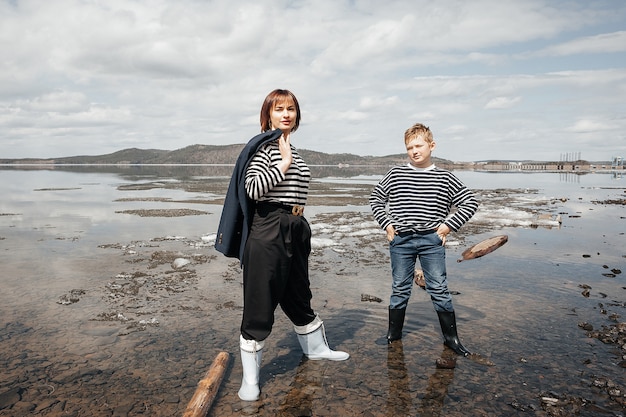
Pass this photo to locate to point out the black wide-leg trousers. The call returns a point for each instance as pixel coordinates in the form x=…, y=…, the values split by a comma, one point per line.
x=276, y=271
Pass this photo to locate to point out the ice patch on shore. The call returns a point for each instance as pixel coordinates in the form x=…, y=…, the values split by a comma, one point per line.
x=209, y=239
x=511, y=217
x=506, y=208
x=173, y=238
x=321, y=242
x=353, y=226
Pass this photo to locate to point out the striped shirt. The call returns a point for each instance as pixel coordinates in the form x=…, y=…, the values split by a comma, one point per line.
x=266, y=182
x=414, y=200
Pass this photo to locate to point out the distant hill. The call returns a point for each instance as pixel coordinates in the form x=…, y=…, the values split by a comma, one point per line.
x=209, y=154
x=227, y=155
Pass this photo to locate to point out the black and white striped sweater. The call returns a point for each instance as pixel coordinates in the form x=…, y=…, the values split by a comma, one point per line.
x=421, y=199
x=266, y=182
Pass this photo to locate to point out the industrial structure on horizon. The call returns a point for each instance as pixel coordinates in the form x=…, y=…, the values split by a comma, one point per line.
x=570, y=162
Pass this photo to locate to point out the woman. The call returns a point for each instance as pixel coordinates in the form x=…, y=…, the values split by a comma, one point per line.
x=278, y=244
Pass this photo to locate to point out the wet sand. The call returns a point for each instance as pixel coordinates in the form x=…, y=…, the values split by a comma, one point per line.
x=150, y=315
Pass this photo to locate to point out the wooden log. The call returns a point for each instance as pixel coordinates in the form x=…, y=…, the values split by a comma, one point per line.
x=483, y=248
x=207, y=387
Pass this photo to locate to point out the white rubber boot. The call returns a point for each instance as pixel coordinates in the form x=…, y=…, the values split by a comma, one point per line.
x=251, y=354
x=312, y=338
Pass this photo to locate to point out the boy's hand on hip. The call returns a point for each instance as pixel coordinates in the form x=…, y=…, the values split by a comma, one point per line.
x=391, y=233
x=442, y=232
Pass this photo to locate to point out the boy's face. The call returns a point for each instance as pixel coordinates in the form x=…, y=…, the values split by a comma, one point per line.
x=419, y=152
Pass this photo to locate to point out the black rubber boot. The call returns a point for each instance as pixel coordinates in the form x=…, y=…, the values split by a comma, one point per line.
x=396, y=321
x=447, y=320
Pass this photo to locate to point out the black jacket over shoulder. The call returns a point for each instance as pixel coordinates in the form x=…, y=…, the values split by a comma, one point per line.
x=238, y=209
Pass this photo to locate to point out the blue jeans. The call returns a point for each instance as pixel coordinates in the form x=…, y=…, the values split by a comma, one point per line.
x=405, y=249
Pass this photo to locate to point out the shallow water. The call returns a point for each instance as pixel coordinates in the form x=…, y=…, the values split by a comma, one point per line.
x=95, y=320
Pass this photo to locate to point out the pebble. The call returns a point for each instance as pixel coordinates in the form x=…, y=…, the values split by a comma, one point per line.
x=445, y=363
x=549, y=400
x=180, y=263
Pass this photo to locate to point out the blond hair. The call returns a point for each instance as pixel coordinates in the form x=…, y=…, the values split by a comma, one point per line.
x=418, y=130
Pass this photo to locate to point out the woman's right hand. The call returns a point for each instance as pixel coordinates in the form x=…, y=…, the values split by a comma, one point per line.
x=284, y=146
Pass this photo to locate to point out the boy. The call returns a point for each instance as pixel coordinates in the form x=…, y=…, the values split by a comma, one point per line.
x=412, y=203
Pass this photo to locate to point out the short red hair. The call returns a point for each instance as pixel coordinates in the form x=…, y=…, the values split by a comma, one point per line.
x=277, y=96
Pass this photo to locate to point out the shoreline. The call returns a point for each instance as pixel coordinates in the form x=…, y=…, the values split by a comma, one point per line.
x=491, y=167
x=128, y=326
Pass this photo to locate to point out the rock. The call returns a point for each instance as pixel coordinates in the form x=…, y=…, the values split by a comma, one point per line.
x=446, y=363
x=549, y=400
x=23, y=409
x=371, y=298
x=45, y=404
x=479, y=359
x=172, y=399
x=71, y=298
x=180, y=263
x=9, y=398
x=419, y=278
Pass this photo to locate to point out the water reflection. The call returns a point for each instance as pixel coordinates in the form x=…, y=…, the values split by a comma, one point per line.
x=569, y=177
x=431, y=402
x=437, y=389
x=304, y=389
x=186, y=172
x=526, y=300
x=399, y=401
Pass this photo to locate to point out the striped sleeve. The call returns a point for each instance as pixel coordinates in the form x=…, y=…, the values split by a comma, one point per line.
x=464, y=201
x=266, y=182
x=378, y=202
x=262, y=174
x=413, y=200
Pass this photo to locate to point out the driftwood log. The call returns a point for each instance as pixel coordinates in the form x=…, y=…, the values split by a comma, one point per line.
x=483, y=248
x=207, y=387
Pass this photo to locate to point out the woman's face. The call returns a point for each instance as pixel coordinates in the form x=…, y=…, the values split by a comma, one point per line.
x=283, y=115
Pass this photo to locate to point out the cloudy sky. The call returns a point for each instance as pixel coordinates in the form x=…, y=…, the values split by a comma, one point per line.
x=494, y=79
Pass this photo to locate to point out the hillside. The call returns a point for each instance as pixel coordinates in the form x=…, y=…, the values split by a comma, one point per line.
x=207, y=154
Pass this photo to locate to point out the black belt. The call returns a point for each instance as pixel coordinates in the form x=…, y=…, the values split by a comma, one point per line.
x=268, y=206
x=416, y=232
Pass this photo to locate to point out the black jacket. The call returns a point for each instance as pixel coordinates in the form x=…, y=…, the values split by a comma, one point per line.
x=238, y=210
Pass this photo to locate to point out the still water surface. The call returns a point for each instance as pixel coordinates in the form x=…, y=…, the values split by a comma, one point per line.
x=138, y=334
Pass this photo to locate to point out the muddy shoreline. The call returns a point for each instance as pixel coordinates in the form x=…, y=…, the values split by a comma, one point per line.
x=153, y=313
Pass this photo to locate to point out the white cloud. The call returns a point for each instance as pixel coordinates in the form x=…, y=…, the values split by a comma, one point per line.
x=373, y=103
x=502, y=102
x=587, y=126
x=167, y=74
x=455, y=129
x=55, y=102
x=352, y=116
x=597, y=44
